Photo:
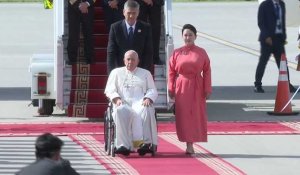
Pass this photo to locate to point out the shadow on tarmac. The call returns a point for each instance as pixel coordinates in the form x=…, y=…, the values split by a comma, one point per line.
x=15, y=93
x=244, y=93
x=240, y=103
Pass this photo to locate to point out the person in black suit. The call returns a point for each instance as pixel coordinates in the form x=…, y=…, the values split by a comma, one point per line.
x=121, y=39
x=48, y=158
x=113, y=11
x=150, y=12
x=81, y=12
x=271, y=22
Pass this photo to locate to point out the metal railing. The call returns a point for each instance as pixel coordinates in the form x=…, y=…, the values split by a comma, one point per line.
x=169, y=41
x=58, y=20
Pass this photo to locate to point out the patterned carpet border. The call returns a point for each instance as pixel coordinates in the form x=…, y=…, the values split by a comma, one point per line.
x=293, y=125
x=206, y=157
x=115, y=165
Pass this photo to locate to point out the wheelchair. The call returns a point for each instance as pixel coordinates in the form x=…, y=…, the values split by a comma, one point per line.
x=109, y=131
x=110, y=135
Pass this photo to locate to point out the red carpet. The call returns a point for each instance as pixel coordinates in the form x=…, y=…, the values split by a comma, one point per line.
x=33, y=129
x=88, y=81
x=170, y=159
x=214, y=128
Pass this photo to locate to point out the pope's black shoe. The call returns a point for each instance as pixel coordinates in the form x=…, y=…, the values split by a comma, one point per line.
x=144, y=148
x=123, y=150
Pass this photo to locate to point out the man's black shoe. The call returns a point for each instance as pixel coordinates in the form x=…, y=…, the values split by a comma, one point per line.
x=144, y=148
x=259, y=89
x=122, y=150
x=292, y=88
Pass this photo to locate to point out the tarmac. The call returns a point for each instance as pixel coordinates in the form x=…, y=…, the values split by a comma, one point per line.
x=28, y=29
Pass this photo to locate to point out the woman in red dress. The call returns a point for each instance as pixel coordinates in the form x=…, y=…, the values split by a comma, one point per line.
x=189, y=82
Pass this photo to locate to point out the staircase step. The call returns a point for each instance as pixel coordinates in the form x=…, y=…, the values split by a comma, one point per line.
x=99, y=13
x=160, y=71
x=89, y=110
x=89, y=69
x=100, y=40
x=89, y=82
x=161, y=99
x=98, y=3
x=87, y=96
x=161, y=106
x=100, y=27
x=160, y=83
x=100, y=54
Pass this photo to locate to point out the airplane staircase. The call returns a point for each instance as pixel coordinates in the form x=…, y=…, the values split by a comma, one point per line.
x=84, y=84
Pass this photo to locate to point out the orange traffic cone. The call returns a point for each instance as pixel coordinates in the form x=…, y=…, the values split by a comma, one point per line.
x=282, y=104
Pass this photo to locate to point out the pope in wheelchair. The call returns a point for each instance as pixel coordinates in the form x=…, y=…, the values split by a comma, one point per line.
x=132, y=92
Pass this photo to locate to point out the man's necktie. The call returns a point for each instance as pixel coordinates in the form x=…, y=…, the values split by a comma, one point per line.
x=278, y=20
x=130, y=35
x=277, y=11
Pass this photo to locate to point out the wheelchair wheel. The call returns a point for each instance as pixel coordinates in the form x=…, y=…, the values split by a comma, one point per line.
x=112, y=148
x=106, y=120
x=112, y=137
x=109, y=150
x=108, y=132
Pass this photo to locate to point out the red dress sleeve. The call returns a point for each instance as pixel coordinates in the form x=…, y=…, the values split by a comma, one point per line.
x=172, y=72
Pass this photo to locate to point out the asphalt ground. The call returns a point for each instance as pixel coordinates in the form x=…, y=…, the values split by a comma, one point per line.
x=28, y=29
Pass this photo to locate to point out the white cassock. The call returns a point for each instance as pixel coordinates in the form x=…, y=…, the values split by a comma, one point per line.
x=135, y=123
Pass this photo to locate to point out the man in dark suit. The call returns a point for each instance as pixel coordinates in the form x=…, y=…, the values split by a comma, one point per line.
x=81, y=12
x=271, y=22
x=48, y=158
x=130, y=34
x=150, y=12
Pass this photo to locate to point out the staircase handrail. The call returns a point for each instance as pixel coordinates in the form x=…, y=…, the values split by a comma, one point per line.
x=58, y=20
x=170, y=44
